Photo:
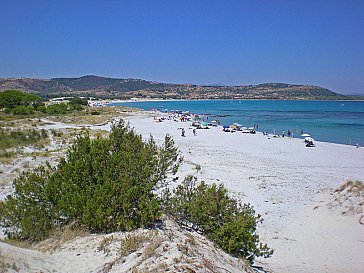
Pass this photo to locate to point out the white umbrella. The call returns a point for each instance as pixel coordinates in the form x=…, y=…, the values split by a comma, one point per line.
x=305, y=135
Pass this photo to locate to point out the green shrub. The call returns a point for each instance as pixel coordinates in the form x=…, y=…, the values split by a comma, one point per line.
x=210, y=211
x=105, y=185
x=60, y=108
x=95, y=113
x=23, y=110
x=42, y=109
x=78, y=101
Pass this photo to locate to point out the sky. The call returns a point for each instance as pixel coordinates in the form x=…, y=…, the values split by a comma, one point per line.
x=200, y=42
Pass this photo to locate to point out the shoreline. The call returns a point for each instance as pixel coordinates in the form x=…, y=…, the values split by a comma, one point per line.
x=288, y=184
x=157, y=100
x=159, y=112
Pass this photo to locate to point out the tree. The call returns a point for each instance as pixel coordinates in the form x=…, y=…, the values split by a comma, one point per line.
x=105, y=185
x=14, y=98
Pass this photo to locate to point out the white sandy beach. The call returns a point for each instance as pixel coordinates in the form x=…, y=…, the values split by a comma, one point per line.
x=290, y=185
x=311, y=227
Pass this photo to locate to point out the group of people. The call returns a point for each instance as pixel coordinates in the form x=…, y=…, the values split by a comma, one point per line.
x=183, y=132
x=290, y=133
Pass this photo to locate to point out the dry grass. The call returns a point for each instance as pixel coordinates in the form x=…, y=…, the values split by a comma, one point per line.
x=105, y=243
x=7, y=156
x=352, y=187
x=107, y=113
x=151, y=249
x=191, y=239
x=59, y=237
x=349, y=198
x=132, y=242
x=18, y=243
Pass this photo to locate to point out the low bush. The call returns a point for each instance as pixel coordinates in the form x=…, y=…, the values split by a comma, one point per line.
x=23, y=110
x=60, y=108
x=42, y=108
x=209, y=210
x=16, y=138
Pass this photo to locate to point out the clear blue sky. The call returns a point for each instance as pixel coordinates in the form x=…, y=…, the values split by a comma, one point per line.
x=203, y=42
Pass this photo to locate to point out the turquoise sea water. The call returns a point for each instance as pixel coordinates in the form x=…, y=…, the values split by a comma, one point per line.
x=330, y=121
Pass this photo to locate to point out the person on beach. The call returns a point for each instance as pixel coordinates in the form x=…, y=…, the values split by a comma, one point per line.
x=194, y=132
x=289, y=133
x=283, y=133
x=183, y=132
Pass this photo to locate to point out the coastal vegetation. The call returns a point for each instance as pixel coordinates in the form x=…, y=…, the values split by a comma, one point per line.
x=114, y=183
x=209, y=210
x=17, y=103
x=16, y=138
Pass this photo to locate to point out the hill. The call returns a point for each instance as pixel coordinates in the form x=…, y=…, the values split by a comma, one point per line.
x=103, y=87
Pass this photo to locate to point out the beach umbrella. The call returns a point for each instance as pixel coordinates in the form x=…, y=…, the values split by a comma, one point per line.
x=238, y=124
x=309, y=139
x=305, y=135
x=250, y=128
x=204, y=123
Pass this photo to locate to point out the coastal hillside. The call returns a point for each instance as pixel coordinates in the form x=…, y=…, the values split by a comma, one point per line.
x=103, y=87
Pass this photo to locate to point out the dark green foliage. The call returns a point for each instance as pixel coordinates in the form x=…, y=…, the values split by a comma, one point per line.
x=105, y=185
x=77, y=104
x=60, y=108
x=209, y=210
x=42, y=109
x=14, y=98
x=95, y=113
x=27, y=212
x=78, y=101
x=23, y=110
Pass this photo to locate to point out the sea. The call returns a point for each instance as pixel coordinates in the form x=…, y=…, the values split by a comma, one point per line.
x=329, y=121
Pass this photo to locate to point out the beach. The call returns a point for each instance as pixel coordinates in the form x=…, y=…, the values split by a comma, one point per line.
x=312, y=219
x=311, y=227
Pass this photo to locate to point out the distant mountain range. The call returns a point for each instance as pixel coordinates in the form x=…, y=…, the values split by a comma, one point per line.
x=103, y=87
